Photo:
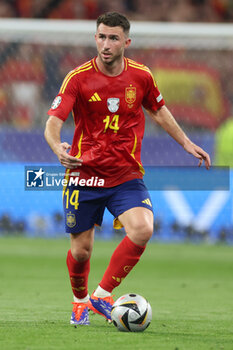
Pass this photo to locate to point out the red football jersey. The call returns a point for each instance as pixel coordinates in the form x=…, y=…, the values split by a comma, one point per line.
x=109, y=120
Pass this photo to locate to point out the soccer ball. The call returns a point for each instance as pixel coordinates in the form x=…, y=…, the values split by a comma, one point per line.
x=131, y=313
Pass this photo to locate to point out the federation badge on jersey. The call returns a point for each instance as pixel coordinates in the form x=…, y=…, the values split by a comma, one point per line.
x=70, y=220
x=56, y=102
x=113, y=104
x=130, y=94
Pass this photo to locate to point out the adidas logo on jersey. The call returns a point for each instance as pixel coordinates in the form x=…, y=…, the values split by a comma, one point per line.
x=147, y=201
x=95, y=98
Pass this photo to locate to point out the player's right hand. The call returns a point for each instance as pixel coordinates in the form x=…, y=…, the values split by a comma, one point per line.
x=65, y=159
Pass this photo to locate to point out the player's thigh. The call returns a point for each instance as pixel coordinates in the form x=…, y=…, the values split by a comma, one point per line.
x=138, y=223
x=131, y=206
x=82, y=244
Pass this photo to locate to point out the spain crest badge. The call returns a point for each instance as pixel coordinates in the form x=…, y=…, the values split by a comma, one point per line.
x=70, y=220
x=130, y=94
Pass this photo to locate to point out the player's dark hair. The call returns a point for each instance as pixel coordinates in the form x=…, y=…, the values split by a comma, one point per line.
x=114, y=19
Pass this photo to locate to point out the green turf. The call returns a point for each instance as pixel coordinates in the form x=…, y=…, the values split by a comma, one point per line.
x=190, y=289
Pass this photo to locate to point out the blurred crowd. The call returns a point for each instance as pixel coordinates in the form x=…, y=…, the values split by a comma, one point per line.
x=31, y=75
x=152, y=10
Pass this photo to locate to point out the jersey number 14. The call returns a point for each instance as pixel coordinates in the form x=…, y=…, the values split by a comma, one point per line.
x=111, y=123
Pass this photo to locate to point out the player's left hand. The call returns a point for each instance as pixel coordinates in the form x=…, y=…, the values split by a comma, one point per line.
x=199, y=153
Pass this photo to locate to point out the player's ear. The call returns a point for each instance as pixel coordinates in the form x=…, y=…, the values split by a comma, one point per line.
x=127, y=42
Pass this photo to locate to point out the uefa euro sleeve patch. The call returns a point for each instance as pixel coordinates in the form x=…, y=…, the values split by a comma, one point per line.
x=56, y=102
x=159, y=98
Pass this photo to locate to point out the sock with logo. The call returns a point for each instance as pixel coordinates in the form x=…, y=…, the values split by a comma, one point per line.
x=78, y=272
x=124, y=258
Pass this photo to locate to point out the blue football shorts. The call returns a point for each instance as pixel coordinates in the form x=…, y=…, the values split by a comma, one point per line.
x=84, y=206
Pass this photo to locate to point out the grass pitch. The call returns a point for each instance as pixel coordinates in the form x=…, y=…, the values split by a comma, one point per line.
x=189, y=287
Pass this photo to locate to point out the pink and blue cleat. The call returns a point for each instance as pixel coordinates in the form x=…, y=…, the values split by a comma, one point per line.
x=101, y=306
x=80, y=315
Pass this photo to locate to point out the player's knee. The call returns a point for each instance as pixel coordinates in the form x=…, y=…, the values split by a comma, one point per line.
x=143, y=227
x=140, y=232
x=148, y=233
x=81, y=254
x=145, y=232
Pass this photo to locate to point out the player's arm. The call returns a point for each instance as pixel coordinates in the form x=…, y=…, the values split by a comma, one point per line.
x=164, y=118
x=53, y=137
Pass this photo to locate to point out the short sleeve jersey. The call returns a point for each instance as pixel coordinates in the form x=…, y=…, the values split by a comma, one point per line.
x=109, y=119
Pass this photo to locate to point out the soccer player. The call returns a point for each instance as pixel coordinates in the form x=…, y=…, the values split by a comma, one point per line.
x=106, y=95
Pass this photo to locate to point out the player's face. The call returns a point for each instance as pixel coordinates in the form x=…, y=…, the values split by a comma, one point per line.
x=111, y=43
